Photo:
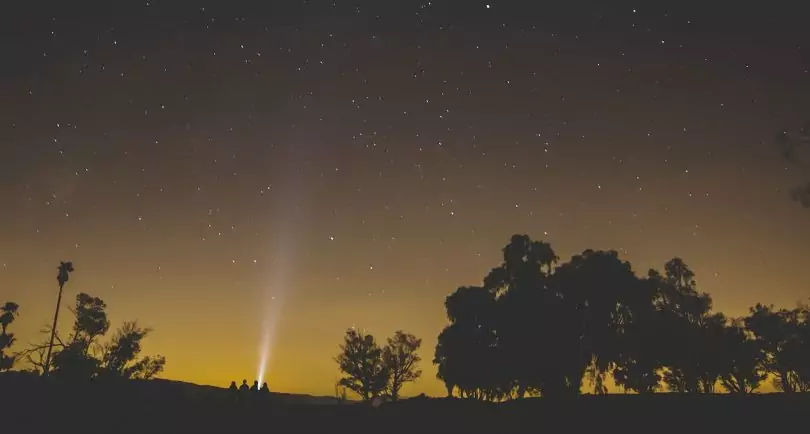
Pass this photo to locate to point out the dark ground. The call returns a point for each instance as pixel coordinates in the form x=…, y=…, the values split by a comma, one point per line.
x=31, y=405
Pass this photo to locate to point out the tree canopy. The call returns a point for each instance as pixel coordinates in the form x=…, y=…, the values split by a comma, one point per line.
x=361, y=362
x=538, y=326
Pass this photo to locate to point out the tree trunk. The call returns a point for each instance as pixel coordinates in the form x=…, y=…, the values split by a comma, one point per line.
x=46, y=368
x=787, y=385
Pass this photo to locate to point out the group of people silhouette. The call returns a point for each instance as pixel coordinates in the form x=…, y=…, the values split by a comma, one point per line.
x=245, y=392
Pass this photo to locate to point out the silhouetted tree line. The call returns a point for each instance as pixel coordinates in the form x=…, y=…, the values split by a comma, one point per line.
x=372, y=371
x=540, y=327
x=82, y=355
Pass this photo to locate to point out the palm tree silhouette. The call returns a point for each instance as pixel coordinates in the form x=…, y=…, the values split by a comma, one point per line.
x=65, y=268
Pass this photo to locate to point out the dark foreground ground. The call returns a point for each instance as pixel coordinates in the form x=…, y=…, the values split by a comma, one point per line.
x=31, y=405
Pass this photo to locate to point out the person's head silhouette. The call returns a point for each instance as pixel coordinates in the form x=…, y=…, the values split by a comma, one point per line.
x=244, y=382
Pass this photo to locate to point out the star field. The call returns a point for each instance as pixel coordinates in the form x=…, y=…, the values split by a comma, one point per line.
x=338, y=164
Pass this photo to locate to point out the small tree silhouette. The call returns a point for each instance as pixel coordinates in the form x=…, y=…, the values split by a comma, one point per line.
x=65, y=268
x=120, y=355
x=784, y=336
x=8, y=312
x=91, y=320
x=401, y=361
x=361, y=361
x=75, y=359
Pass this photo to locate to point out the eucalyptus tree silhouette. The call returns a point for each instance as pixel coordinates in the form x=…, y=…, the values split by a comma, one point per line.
x=65, y=268
x=533, y=327
x=641, y=359
x=693, y=331
x=466, y=348
x=527, y=305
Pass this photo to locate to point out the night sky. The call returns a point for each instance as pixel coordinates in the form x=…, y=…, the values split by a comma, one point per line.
x=216, y=170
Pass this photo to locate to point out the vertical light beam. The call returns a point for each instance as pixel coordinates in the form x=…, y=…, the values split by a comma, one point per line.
x=271, y=312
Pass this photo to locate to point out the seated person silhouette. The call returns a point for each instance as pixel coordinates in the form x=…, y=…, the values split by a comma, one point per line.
x=244, y=391
x=255, y=387
x=265, y=389
x=233, y=390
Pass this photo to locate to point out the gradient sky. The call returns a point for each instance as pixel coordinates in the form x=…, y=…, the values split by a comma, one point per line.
x=314, y=165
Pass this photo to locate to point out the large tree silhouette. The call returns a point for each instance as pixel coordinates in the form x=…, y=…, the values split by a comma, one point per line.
x=534, y=327
x=526, y=317
x=361, y=362
x=643, y=350
x=600, y=293
x=692, y=331
x=744, y=370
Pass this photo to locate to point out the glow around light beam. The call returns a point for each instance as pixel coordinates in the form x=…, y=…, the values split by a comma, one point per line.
x=285, y=218
x=270, y=313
